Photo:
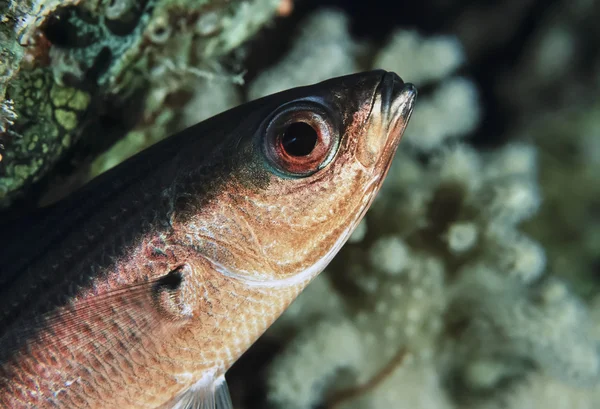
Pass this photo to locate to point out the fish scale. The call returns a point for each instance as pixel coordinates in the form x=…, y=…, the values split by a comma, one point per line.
x=142, y=289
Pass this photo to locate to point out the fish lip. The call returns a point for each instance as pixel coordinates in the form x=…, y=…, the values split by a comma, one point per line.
x=397, y=99
x=392, y=107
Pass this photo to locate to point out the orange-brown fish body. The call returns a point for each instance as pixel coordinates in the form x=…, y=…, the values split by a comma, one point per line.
x=222, y=235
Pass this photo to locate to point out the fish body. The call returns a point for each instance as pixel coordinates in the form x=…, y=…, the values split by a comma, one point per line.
x=143, y=288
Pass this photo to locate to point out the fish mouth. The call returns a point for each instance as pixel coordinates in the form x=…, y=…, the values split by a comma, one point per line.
x=391, y=108
x=397, y=103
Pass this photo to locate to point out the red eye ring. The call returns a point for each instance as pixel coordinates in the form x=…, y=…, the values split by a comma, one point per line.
x=300, y=140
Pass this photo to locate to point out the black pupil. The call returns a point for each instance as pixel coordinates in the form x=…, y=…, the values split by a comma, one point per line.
x=299, y=139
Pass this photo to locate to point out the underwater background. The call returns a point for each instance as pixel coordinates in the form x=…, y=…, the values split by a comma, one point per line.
x=473, y=281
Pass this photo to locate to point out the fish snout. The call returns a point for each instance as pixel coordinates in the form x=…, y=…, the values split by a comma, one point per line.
x=398, y=98
x=391, y=109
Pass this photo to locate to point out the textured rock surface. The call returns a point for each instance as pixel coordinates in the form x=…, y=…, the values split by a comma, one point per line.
x=70, y=61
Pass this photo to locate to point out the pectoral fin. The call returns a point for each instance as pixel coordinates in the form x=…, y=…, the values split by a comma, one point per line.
x=213, y=394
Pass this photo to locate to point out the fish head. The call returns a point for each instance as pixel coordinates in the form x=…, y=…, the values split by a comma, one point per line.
x=305, y=170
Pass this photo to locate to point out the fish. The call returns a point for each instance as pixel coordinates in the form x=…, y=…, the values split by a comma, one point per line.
x=141, y=289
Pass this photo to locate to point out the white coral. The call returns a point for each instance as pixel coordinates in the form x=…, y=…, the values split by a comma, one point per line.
x=421, y=387
x=322, y=50
x=320, y=355
x=422, y=59
x=453, y=108
x=462, y=236
x=451, y=112
x=389, y=254
x=543, y=392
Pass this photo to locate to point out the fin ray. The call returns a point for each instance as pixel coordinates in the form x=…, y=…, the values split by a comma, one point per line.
x=222, y=396
x=206, y=394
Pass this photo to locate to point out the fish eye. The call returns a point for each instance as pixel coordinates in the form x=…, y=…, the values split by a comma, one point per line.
x=301, y=139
